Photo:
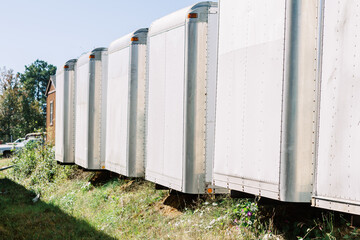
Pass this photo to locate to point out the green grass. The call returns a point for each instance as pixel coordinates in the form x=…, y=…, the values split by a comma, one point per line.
x=84, y=205
x=4, y=162
x=20, y=218
x=133, y=209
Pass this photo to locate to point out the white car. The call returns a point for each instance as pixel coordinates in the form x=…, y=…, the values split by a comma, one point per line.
x=19, y=140
x=6, y=150
x=26, y=142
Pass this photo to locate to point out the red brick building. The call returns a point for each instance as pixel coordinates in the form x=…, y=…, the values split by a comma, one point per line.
x=50, y=109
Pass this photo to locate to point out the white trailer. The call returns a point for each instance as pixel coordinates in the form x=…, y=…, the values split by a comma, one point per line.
x=181, y=80
x=91, y=78
x=337, y=168
x=65, y=113
x=266, y=97
x=125, y=135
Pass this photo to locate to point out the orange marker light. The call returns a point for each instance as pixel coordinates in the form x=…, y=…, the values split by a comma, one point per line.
x=134, y=39
x=92, y=56
x=209, y=190
x=103, y=167
x=66, y=66
x=192, y=15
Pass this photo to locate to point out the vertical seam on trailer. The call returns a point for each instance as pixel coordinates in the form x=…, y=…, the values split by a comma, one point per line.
x=143, y=61
x=353, y=81
x=146, y=105
x=282, y=97
x=73, y=112
x=355, y=56
x=104, y=64
x=128, y=110
x=206, y=98
x=100, y=107
x=228, y=96
x=185, y=69
x=64, y=135
x=206, y=103
x=105, y=93
x=164, y=112
x=216, y=84
x=213, y=100
x=315, y=96
x=89, y=120
x=243, y=96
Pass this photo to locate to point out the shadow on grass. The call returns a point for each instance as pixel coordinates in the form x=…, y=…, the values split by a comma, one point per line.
x=20, y=218
x=181, y=201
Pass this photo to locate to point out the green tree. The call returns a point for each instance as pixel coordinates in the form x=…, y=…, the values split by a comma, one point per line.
x=10, y=109
x=31, y=111
x=34, y=80
x=23, y=100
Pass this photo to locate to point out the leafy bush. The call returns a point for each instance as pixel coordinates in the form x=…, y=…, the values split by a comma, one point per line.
x=245, y=213
x=25, y=160
x=36, y=164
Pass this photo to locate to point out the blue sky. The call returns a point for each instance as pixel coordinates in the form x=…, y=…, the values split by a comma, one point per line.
x=56, y=31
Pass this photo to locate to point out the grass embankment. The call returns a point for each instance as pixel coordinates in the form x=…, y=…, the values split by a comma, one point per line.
x=84, y=205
